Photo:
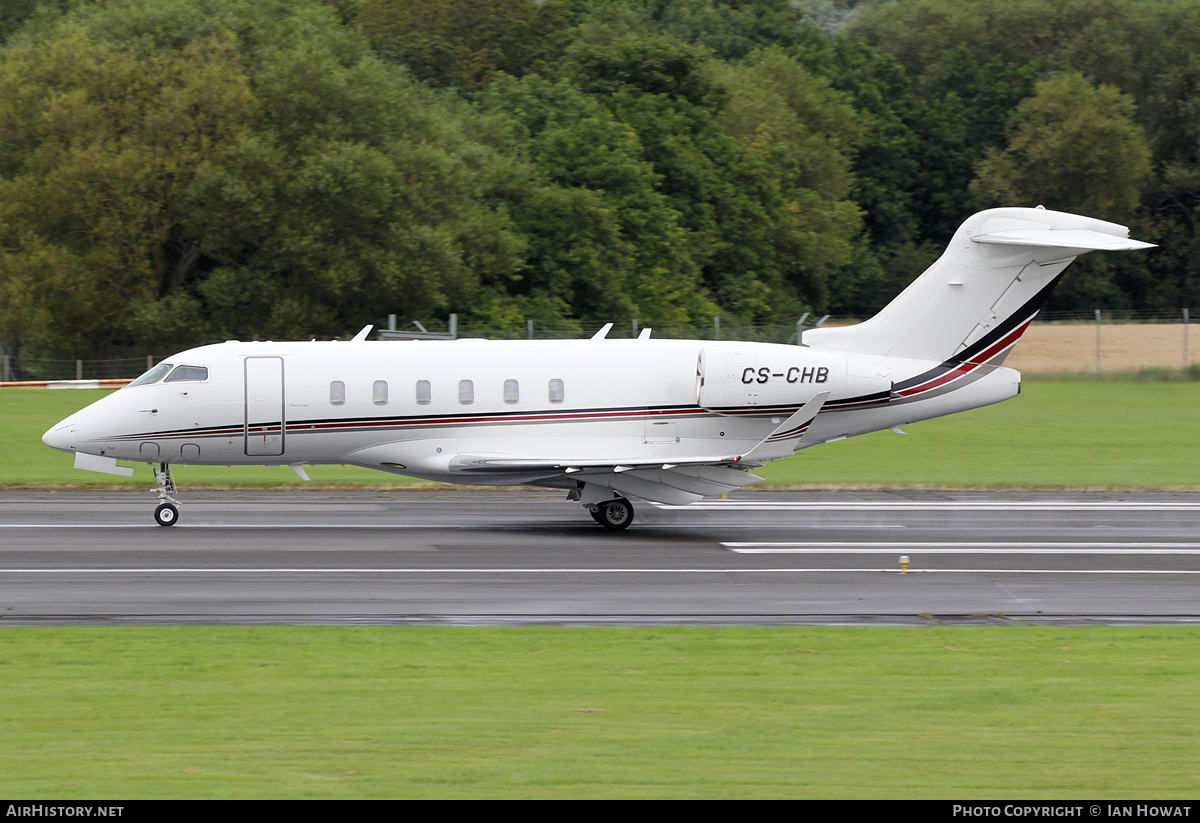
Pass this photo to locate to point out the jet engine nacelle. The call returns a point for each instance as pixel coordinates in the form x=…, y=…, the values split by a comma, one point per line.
x=734, y=376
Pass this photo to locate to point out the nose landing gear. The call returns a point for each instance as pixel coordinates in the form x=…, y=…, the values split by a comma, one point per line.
x=167, y=513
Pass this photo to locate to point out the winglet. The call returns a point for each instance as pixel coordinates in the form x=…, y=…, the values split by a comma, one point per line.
x=784, y=439
x=603, y=333
x=362, y=335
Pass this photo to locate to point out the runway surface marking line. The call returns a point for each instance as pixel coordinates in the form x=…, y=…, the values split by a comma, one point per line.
x=973, y=547
x=586, y=571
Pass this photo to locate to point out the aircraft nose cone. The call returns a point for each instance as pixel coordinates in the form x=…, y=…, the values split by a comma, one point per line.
x=61, y=437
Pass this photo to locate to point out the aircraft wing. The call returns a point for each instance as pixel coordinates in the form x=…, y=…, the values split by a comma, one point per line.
x=676, y=483
x=684, y=481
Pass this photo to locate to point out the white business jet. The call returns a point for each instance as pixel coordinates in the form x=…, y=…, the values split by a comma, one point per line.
x=669, y=421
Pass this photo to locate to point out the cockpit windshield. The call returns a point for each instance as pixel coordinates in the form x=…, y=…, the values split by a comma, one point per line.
x=154, y=375
x=188, y=373
x=173, y=374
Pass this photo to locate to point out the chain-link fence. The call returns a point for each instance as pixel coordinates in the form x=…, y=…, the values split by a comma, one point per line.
x=23, y=367
x=772, y=333
x=1093, y=344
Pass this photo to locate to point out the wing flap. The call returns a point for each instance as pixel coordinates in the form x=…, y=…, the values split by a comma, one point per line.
x=672, y=483
x=648, y=486
x=505, y=464
x=702, y=480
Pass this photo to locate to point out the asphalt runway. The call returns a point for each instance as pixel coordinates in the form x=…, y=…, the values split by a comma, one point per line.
x=525, y=557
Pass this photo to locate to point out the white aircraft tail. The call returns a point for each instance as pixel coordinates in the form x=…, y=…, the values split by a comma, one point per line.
x=974, y=303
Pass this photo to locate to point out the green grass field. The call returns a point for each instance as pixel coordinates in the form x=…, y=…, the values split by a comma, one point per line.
x=290, y=712
x=394, y=712
x=1089, y=435
x=1098, y=435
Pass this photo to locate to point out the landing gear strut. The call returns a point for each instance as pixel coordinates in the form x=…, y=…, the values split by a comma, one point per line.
x=167, y=513
x=614, y=514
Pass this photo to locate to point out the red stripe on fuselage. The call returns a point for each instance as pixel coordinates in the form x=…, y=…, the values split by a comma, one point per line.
x=967, y=367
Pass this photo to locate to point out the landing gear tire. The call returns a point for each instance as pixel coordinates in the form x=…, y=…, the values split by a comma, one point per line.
x=615, y=514
x=166, y=515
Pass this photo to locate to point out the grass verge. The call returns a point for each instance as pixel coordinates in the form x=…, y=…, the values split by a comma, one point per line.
x=366, y=712
x=1057, y=434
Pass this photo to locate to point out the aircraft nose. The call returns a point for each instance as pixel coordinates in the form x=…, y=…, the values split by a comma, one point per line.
x=61, y=436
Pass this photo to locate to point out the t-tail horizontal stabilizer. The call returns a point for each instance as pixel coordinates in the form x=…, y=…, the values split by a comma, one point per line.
x=1077, y=239
x=976, y=300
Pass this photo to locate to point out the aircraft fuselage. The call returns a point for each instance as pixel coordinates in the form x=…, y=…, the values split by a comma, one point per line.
x=414, y=407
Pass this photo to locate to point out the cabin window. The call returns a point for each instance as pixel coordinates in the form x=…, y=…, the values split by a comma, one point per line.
x=556, y=391
x=379, y=393
x=154, y=375
x=466, y=391
x=424, y=392
x=512, y=391
x=337, y=392
x=188, y=374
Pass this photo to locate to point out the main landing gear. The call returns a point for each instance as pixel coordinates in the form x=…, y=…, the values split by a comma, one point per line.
x=167, y=513
x=610, y=510
x=614, y=514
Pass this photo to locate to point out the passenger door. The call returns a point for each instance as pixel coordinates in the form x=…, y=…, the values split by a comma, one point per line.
x=264, y=423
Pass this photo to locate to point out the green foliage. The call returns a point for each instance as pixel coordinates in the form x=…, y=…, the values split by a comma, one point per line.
x=603, y=241
x=174, y=170
x=752, y=157
x=1073, y=147
x=179, y=167
x=1014, y=32
x=734, y=30
x=464, y=43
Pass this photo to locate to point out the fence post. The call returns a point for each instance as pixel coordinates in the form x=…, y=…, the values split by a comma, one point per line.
x=1097, y=341
x=1185, y=338
x=529, y=325
x=78, y=369
x=7, y=369
x=800, y=328
x=717, y=328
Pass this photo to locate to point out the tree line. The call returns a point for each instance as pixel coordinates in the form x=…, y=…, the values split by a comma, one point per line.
x=181, y=170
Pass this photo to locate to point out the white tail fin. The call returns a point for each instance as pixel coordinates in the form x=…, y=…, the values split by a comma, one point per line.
x=974, y=303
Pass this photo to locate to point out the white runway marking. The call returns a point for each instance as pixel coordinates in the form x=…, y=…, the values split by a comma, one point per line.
x=1028, y=547
x=934, y=505
x=585, y=571
x=188, y=526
